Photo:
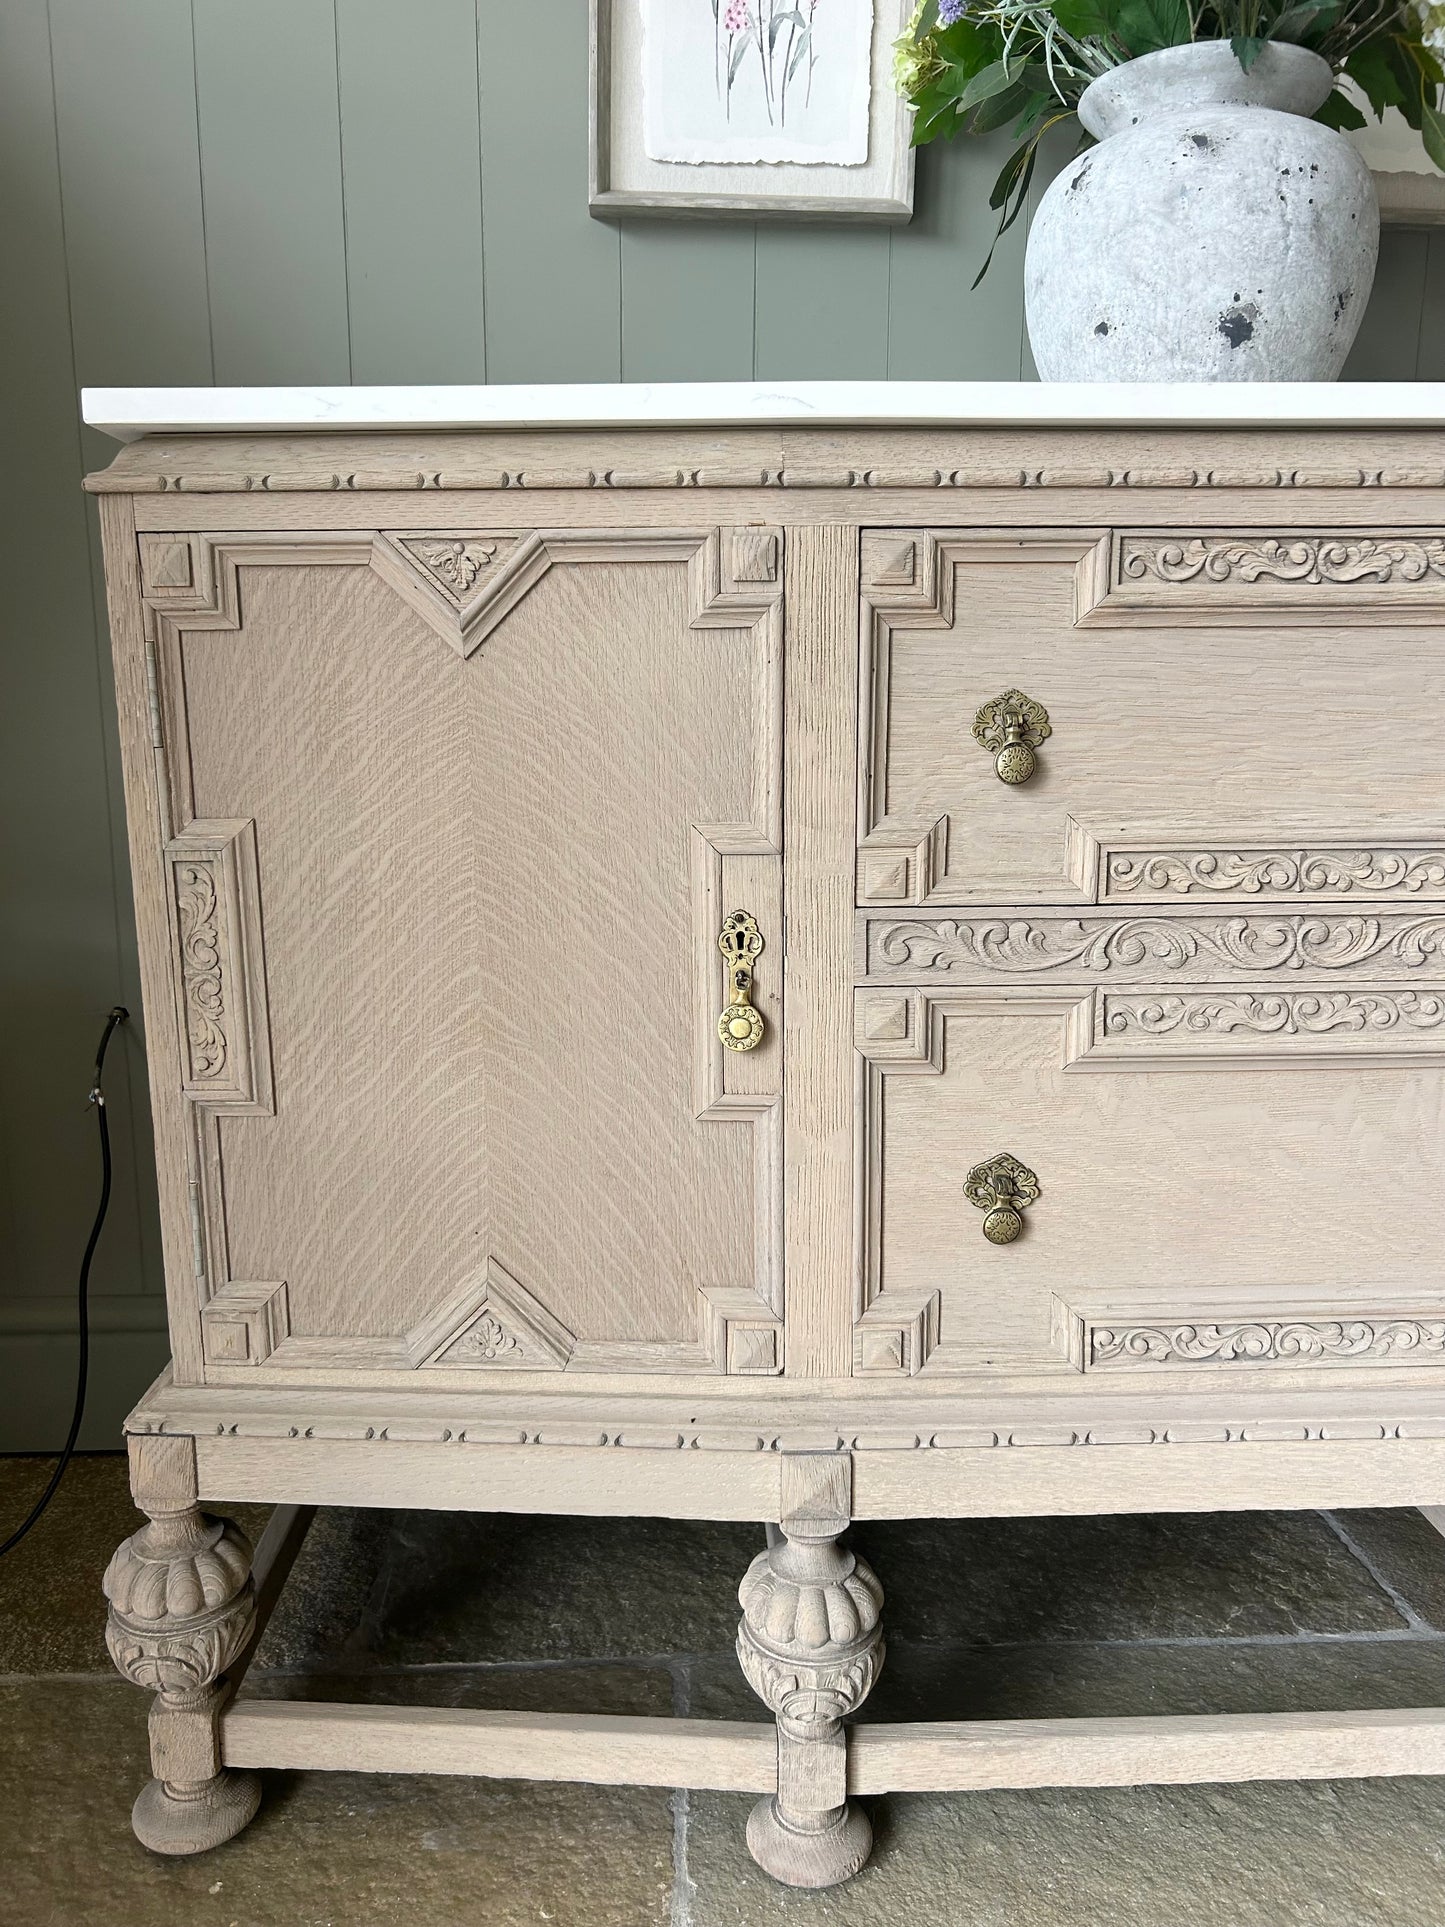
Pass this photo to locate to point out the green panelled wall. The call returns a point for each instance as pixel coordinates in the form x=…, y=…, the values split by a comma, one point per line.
x=331, y=191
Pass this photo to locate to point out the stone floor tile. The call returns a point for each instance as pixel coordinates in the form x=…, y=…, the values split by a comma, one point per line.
x=475, y=1587
x=346, y=1850
x=1085, y=1681
x=1152, y=1576
x=1408, y=1554
x=52, y=1613
x=580, y=1688
x=319, y=1620
x=1364, y=1853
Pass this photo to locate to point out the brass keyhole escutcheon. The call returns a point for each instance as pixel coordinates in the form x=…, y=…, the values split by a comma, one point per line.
x=1003, y=1189
x=1011, y=728
x=741, y=1026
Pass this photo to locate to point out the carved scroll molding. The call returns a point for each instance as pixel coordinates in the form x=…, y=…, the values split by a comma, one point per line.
x=493, y=1322
x=220, y=972
x=1174, y=946
x=1163, y=862
x=908, y=578
x=1330, y=578
x=1371, y=867
x=243, y=1324
x=1317, y=1341
x=1347, y=1330
x=904, y=1332
x=1270, y=1029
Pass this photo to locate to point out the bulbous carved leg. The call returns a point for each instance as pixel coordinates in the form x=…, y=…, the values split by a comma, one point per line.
x=811, y=1647
x=182, y=1608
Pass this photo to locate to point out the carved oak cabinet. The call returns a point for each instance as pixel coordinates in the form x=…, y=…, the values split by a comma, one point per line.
x=766, y=963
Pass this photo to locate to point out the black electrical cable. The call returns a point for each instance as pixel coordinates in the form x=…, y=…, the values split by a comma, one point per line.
x=97, y=1098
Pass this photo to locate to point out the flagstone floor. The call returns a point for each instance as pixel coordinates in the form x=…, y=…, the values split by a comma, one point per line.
x=1227, y=1613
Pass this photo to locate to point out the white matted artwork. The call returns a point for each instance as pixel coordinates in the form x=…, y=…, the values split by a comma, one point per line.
x=741, y=81
x=749, y=107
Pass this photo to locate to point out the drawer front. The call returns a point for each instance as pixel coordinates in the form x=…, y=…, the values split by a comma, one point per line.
x=455, y=822
x=1213, y=703
x=1189, y=974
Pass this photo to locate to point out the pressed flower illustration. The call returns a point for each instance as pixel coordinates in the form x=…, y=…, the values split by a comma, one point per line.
x=750, y=81
x=781, y=36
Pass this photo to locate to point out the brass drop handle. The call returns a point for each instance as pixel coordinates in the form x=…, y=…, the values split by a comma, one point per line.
x=741, y=1026
x=1011, y=728
x=1003, y=1189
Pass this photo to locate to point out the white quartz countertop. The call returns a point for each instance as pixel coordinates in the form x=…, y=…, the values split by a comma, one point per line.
x=128, y=413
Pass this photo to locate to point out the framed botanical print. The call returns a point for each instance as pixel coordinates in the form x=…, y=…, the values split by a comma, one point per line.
x=754, y=108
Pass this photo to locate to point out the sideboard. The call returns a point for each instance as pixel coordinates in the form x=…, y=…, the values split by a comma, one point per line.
x=783, y=956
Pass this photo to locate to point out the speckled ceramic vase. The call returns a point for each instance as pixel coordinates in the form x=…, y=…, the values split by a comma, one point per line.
x=1215, y=233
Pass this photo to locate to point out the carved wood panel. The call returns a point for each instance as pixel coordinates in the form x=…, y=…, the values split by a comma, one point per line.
x=504, y=1133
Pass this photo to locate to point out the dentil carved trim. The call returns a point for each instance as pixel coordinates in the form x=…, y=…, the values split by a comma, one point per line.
x=1196, y=946
x=1307, y=559
x=306, y=1423
x=328, y=479
x=182, y=1605
x=1277, y=872
x=1403, y=1341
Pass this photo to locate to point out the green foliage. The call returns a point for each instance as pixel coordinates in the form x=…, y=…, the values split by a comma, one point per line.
x=1025, y=63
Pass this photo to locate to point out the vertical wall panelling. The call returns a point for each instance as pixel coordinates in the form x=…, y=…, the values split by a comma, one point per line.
x=822, y=303
x=60, y=962
x=125, y=102
x=1388, y=344
x=687, y=301
x=938, y=324
x=554, y=275
x=1430, y=364
x=412, y=185
x=266, y=89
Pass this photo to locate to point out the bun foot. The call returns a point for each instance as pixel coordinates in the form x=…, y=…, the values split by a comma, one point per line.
x=831, y=1848
x=171, y=1819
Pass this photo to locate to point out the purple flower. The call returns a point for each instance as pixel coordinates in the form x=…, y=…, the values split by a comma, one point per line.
x=950, y=12
x=737, y=18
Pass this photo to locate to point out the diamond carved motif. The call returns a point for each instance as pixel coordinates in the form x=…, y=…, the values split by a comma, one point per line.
x=492, y=1320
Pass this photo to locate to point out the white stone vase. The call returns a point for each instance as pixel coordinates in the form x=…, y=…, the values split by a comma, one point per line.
x=1215, y=233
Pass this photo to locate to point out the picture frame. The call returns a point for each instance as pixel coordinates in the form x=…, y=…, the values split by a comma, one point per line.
x=624, y=180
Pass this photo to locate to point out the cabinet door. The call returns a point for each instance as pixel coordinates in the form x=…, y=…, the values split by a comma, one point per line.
x=456, y=819
x=1189, y=974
